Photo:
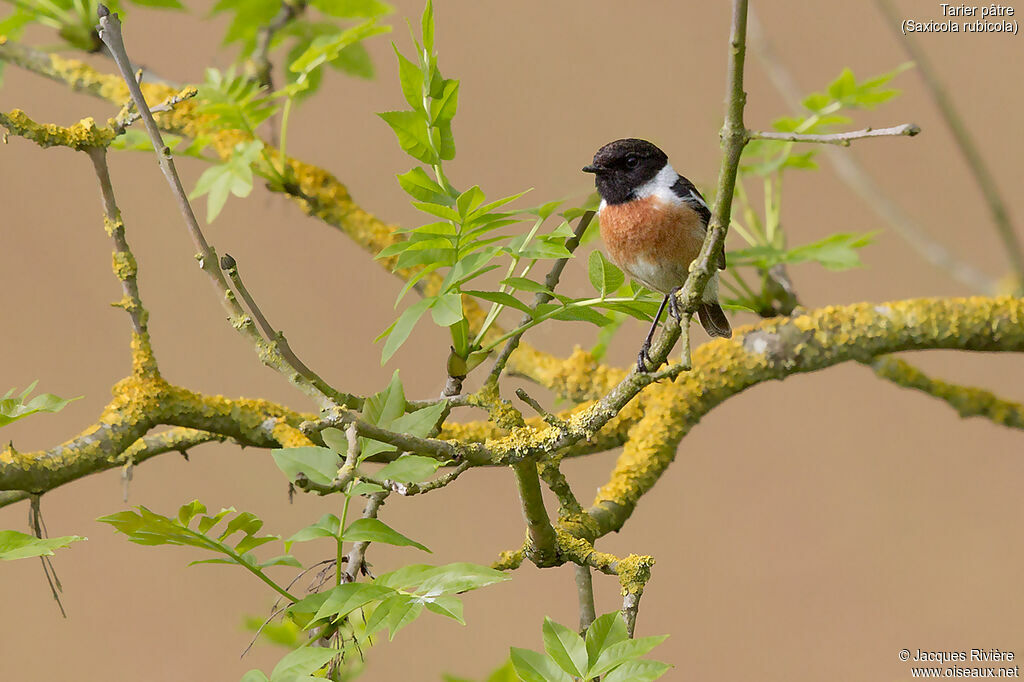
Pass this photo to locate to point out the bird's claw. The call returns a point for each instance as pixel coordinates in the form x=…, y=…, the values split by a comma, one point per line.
x=643, y=360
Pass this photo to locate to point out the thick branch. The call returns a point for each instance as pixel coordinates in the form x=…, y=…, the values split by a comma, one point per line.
x=841, y=139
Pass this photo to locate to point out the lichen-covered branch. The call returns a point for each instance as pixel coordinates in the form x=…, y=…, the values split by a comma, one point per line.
x=968, y=401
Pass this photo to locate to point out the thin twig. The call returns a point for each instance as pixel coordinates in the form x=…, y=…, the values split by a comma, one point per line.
x=856, y=178
x=126, y=268
x=544, y=414
x=357, y=556
x=734, y=138
x=841, y=139
x=35, y=518
x=541, y=297
x=630, y=606
x=260, y=56
x=230, y=265
x=110, y=34
x=961, y=133
x=585, y=594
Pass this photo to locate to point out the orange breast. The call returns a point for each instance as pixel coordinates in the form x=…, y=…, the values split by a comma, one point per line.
x=652, y=241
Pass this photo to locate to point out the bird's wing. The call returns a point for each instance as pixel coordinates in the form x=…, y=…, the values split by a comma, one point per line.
x=685, y=190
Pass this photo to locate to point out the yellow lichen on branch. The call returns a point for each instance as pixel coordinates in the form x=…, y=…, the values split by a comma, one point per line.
x=80, y=136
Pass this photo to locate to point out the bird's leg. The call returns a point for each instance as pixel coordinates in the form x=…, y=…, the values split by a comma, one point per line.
x=643, y=359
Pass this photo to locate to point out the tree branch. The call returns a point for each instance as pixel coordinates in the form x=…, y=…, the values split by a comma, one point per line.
x=856, y=178
x=110, y=34
x=975, y=162
x=841, y=139
x=968, y=401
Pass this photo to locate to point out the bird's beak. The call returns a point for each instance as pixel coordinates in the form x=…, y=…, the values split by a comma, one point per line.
x=592, y=168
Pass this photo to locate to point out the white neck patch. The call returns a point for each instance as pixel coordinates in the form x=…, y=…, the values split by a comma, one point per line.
x=660, y=185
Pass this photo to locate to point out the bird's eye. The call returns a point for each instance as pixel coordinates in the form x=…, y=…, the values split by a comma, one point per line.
x=632, y=161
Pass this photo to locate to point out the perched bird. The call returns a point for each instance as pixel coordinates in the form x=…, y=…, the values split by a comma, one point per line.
x=653, y=222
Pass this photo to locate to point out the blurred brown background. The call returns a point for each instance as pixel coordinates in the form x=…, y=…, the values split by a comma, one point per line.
x=808, y=530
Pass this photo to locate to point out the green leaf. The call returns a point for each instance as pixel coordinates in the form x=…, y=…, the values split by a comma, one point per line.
x=375, y=530
x=410, y=77
x=442, y=109
x=235, y=176
x=348, y=597
x=439, y=210
x=637, y=671
x=445, y=140
x=320, y=465
x=394, y=613
x=419, y=422
x=335, y=439
x=501, y=298
x=384, y=407
x=255, y=676
x=302, y=663
x=189, y=510
x=468, y=201
x=402, y=327
x=620, y=652
x=328, y=526
x=524, y=284
x=835, y=252
x=326, y=48
x=411, y=130
x=459, y=577
x=532, y=666
x=565, y=647
x=603, y=632
x=349, y=9
x=16, y=545
x=575, y=313
x=427, y=26
x=355, y=61
x=410, y=468
x=447, y=309
x=13, y=409
x=421, y=186
x=450, y=607
x=605, y=277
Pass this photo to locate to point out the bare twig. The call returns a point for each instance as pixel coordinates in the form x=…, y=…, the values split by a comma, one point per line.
x=229, y=265
x=585, y=594
x=734, y=138
x=856, y=178
x=544, y=414
x=35, y=520
x=961, y=133
x=357, y=556
x=110, y=34
x=841, y=139
x=260, y=57
x=630, y=606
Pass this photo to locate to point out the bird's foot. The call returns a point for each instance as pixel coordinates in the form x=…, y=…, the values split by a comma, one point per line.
x=643, y=359
x=673, y=305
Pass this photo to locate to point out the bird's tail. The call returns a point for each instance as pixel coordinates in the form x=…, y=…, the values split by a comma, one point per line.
x=714, y=321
